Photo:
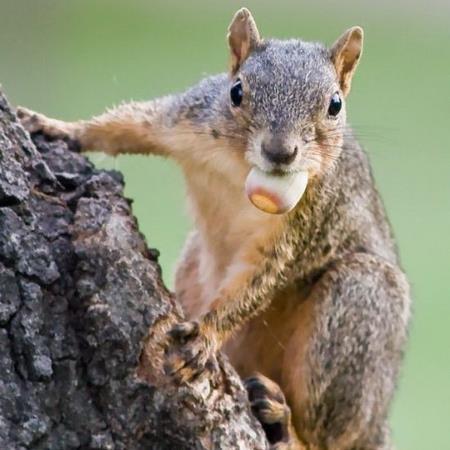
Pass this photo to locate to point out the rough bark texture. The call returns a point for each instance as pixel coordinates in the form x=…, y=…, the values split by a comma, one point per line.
x=83, y=315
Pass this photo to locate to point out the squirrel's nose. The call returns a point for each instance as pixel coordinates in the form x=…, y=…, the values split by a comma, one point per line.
x=277, y=152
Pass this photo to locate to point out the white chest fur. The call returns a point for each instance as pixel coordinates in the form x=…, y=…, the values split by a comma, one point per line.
x=228, y=224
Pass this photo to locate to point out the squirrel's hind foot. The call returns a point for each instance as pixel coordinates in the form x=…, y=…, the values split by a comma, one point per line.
x=270, y=408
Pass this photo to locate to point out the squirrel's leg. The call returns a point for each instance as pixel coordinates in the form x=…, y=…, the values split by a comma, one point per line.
x=339, y=387
x=136, y=127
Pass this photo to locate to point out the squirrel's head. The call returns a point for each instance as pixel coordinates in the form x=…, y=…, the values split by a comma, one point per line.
x=289, y=97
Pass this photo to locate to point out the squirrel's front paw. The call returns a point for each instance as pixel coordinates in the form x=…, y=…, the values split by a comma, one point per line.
x=35, y=122
x=191, y=349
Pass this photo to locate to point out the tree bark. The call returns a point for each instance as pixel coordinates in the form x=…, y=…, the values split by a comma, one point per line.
x=83, y=316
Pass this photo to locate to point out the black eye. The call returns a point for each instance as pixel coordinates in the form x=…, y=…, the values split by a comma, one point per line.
x=335, y=105
x=236, y=93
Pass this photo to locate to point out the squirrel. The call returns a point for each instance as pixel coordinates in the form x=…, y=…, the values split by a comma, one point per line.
x=303, y=288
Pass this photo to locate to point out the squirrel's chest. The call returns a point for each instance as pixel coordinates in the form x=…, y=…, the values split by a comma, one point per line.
x=226, y=220
x=222, y=212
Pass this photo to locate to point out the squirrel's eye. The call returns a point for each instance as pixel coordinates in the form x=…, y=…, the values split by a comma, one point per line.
x=236, y=93
x=335, y=105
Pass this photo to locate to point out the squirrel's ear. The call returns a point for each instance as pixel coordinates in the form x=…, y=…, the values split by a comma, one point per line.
x=345, y=54
x=243, y=37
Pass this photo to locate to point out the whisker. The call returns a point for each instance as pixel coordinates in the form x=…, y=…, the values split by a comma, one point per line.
x=210, y=134
x=362, y=133
x=327, y=155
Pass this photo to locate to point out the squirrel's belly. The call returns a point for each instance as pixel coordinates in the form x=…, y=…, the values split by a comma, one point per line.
x=263, y=343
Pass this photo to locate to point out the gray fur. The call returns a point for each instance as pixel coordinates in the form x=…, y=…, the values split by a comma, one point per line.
x=289, y=82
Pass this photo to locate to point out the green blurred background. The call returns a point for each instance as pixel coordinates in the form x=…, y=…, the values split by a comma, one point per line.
x=70, y=59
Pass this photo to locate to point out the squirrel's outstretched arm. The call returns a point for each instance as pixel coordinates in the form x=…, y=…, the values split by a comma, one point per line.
x=151, y=127
x=188, y=127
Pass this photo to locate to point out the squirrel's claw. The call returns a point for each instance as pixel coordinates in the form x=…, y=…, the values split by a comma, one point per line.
x=35, y=122
x=184, y=330
x=189, y=353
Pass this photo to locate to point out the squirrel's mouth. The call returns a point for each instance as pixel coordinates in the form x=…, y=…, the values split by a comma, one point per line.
x=275, y=192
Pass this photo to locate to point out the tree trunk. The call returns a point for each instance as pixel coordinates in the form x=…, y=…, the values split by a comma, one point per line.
x=83, y=314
